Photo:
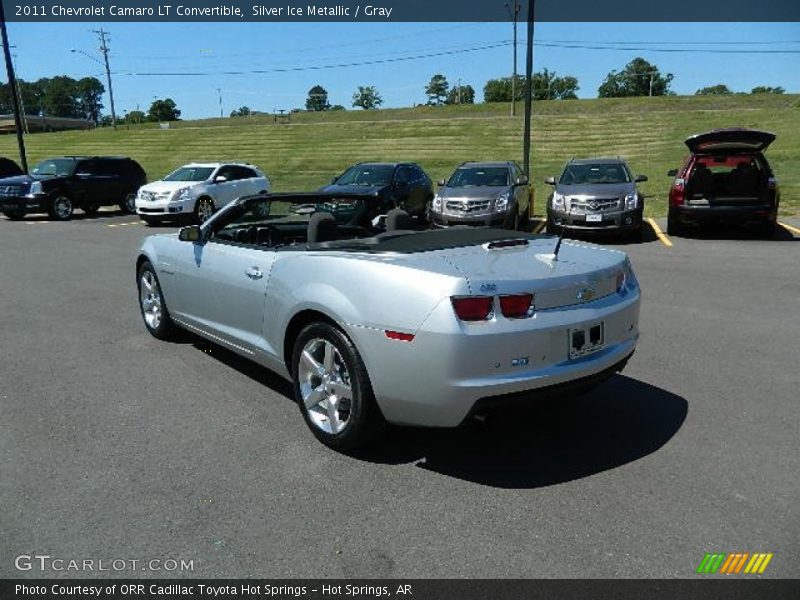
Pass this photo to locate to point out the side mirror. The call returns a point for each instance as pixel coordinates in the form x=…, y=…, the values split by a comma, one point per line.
x=441, y=183
x=190, y=233
x=335, y=179
x=521, y=180
x=550, y=181
x=672, y=172
x=640, y=178
x=220, y=179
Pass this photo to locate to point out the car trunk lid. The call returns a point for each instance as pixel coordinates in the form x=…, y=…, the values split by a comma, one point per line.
x=730, y=140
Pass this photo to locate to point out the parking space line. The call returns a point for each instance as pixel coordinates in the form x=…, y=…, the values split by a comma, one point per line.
x=794, y=230
x=659, y=234
x=539, y=226
x=123, y=224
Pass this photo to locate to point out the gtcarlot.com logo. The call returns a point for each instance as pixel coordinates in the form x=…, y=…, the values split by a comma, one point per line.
x=733, y=563
x=45, y=562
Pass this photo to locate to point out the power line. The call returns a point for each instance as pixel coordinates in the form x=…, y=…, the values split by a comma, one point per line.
x=320, y=67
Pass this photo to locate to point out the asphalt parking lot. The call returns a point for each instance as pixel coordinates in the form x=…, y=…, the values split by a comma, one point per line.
x=115, y=445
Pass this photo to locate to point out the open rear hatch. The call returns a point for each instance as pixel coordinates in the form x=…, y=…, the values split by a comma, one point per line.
x=734, y=139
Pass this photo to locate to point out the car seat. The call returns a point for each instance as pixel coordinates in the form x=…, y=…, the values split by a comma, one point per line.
x=322, y=227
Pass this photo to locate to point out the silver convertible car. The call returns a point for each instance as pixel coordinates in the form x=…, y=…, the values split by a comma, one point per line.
x=407, y=327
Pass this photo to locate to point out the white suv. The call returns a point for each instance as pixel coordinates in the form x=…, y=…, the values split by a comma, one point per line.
x=197, y=190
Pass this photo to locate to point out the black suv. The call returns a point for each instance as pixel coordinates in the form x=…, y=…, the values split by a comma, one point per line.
x=58, y=186
x=392, y=185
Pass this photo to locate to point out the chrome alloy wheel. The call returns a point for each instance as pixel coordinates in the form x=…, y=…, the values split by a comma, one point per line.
x=62, y=207
x=150, y=299
x=325, y=386
x=205, y=208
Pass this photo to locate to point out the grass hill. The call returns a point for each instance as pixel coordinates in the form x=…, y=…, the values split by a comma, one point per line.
x=307, y=152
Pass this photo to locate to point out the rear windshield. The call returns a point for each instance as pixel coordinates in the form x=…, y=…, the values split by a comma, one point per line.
x=595, y=174
x=479, y=177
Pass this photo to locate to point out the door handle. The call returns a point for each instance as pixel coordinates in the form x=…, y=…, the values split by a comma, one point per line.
x=254, y=273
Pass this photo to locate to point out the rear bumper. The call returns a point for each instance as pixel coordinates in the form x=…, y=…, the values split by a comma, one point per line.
x=450, y=368
x=613, y=221
x=699, y=214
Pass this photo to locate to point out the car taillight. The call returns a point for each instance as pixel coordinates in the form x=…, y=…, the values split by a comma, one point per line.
x=677, y=192
x=472, y=308
x=516, y=306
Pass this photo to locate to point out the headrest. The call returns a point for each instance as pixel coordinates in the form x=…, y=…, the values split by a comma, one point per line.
x=322, y=228
x=398, y=219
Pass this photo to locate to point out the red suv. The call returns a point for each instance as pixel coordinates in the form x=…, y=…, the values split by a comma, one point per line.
x=725, y=179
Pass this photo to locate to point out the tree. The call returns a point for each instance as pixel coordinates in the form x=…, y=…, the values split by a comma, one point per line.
x=242, y=111
x=714, y=90
x=461, y=94
x=135, y=117
x=637, y=78
x=89, y=92
x=317, y=99
x=60, y=97
x=338, y=107
x=547, y=86
x=367, y=97
x=763, y=89
x=436, y=90
x=163, y=110
x=499, y=90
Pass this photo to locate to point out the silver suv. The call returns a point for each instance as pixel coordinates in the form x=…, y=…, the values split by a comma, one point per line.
x=490, y=194
x=596, y=194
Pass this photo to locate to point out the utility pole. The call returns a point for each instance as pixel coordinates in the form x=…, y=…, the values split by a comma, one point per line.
x=219, y=91
x=459, y=90
x=514, y=12
x=526, y=141
x=12, y=82
x=102, y=33
x=651, y=83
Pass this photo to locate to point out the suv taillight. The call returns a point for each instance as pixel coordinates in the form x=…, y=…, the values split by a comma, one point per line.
x=677, y=192
x=472, y=308
x=516, y=306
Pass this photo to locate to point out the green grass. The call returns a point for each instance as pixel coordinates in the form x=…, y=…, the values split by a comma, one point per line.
x=306, y=153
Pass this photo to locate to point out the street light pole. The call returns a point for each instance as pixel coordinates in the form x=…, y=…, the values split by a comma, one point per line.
x=526, y=141
x=219, y=91
x=514, y=14
x=102, y=33
x=12, y=82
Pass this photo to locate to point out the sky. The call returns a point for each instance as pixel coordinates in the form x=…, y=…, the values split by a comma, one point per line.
x=187, y=61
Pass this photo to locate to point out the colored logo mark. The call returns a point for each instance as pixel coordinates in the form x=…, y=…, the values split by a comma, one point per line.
x=735, y=562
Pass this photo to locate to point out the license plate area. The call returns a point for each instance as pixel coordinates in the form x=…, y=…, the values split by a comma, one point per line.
x=594, y=218
x=587, y=339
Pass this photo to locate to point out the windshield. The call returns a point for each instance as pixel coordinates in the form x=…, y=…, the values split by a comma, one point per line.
x=595, y=173
x=190, y=174
x=55, y=167
x=479, y=176
x=367, y=175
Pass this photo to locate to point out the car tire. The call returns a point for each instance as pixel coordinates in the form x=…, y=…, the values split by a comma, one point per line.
x=14, y=215
x=325, y=362
x=203, y=209
x=91, y=209
x=61, y=208
x=128, y=204
x=768, y=229
x=152, y=304
x=673, y=227
x=635, y=235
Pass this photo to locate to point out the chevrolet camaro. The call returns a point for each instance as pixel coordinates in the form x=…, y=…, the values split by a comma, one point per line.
x=423, y=328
